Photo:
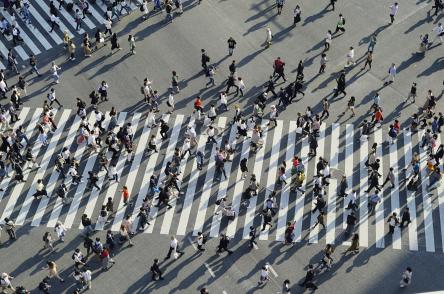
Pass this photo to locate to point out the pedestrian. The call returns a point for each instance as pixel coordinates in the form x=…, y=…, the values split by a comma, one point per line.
x=54, y=19
x=406, y=277
x=372, y=43
x=328, y=39
x=252, y=234
x=175, y=82
x=33, y=64
x=296, y=15
x=125, y=236
x=393, y=11
x=323, y=63
x=279, y=5
x=320, y=220
x=125, y=195
x=273, y=115
x=5, y=283
x=350, y=57
x=200, y=240
x=368, y=60
x=374, y=200
x=54, y=70
x=332, y=4
x=240, y=86
x=325, y=108
x=439, y=33
x=108, y=23
x=340, y=25
x=170, y=102
x=174, y=249
x=9, y=226
x=40, y=190
x=265, y=274
x=107, y=261
x=341, y=85
x=231, y=46
x=169, y=12
x=132, y=44
x=405, y=217
x=52, y=271
x=390, y=178
x=205, y=59
x=309, y=277
x=223, y=244
x=393, y=221
x=354, y=246
x=390, y=78
x=60, y=231
x=114, y=44
x=155, y=270
x=52, y=98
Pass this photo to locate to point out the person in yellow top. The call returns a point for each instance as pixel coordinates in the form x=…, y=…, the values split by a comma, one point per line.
x=66, y=39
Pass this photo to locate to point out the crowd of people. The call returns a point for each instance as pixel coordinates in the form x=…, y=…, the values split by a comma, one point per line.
x=111, y=141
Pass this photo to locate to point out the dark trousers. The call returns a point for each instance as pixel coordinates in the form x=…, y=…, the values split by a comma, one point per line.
x=171, y=251
x=280, y=75
x=223, y=248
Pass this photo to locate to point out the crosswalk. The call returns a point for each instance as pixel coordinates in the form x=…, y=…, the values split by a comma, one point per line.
x=194, y=209
x=37, y=36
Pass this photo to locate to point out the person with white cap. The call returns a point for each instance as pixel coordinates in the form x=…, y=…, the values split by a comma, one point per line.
x=273, y=115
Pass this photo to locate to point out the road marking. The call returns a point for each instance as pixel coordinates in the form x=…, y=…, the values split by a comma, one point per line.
x=192, y=243
x=209, y=270
x=273, y=271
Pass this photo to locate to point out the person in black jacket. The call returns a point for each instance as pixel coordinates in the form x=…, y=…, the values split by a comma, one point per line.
x=155, y=270
x=204, y=60
x=164, y=129
x=309, y=277
x=270, y=86
x=231, y=82
x=223, y=244
x=340, y=88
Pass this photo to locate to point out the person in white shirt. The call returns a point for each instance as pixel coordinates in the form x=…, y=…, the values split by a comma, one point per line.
x=241, y=86
x=108, y=23
x=191, y=133
x=351, y=57
x=391, y=75
x=145, y=10
x=174, y=248
x=87, y=279
x=60, y=230
x=200, y=239
x=273, y=115
x=406, y=278
x=223, y=101
x=170, y=102
x=55, y=75
x=265, y=274
x=211, y=133
x=393, y=11
x=439, y=32
x=5, y=282
x=79, y=258
x=186, y=147
x=221, y=206
x=54, y=22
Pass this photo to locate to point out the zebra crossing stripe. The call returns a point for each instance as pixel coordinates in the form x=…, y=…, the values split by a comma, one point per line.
x=363, y=195
x=49, y=152
x=15, y=193
x=102, y=175
x=45, y=25
x=63, y=28
x=284, y=199
x=411, y=204
x=113, y=188
x=98, y=17
x=348, y=172
x=394, y=193
x=257, y=170
x=174, y=137
x=426, y=201
x=19, y=49
x=190, y=193
x=4, y=184
x=223, y=186
x=379, y=210
x=299, y=205
x=332, y=188
x=313, y=236
x=208, y=184
x=149, y=170
x=57, y=209
x=238, y=189
x=272, y=171
x=132, y=175
x=55, y=175
x=80, y=191
x=440, y=189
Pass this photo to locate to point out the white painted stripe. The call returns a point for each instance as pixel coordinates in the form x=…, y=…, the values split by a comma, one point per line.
x=348, y=172
x=57, y=209
x=426, y=201
x=363, y=196
x=42, y=40
x=132, y=175
x=223, y=186
x=45, y=8
x=22, y=116
x=208, y=184
x=192, y=243
x=98, y=16
x=379, y=213
x=26, y=40
x=273, y=271
x=55, y=175
x=411, y=202
x=299, y=205
x=14, y=195
x=44, y=24
x=272, y=170
x=441, y=203
x=149, y=170
x=285, y=194
x=238, y=190
x=394, y=193
x=209, y=270
x=257, y=170
x=173, y=139
x=313, y=237
x=21, y=52
x=49, y=152
x=332, y=188
x=190, y=193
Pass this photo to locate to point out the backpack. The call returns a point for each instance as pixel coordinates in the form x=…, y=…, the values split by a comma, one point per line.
x=73, y=256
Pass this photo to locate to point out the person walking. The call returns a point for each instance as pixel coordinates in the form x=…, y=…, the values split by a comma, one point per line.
x=33, y=64
x=54, y=70
x=393, y=221
x=114, y=43
x=9, y=226
x=132, y=44
x=265, y=274
x=390, y=178
x=200, y=240
x=155, y=270
x=393, y=11
x=323, y=63
x=406, y=277
x=231, y=46
x=52, y=271
x=252, y=234
x=405, y=218
x=309, y=277
x=354, y=246
x=368, y=60
x=320, y=220
x=340, y=25
x=412, y=93
x=223, y=244
x=296, y=15
x=391, y=75
x=174, y=248
x=327, y=42
x=350, y=57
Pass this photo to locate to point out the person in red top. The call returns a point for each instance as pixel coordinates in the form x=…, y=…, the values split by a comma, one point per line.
x=279, y=69
x=397, y=126
x=198, y=104
x=377, y=117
